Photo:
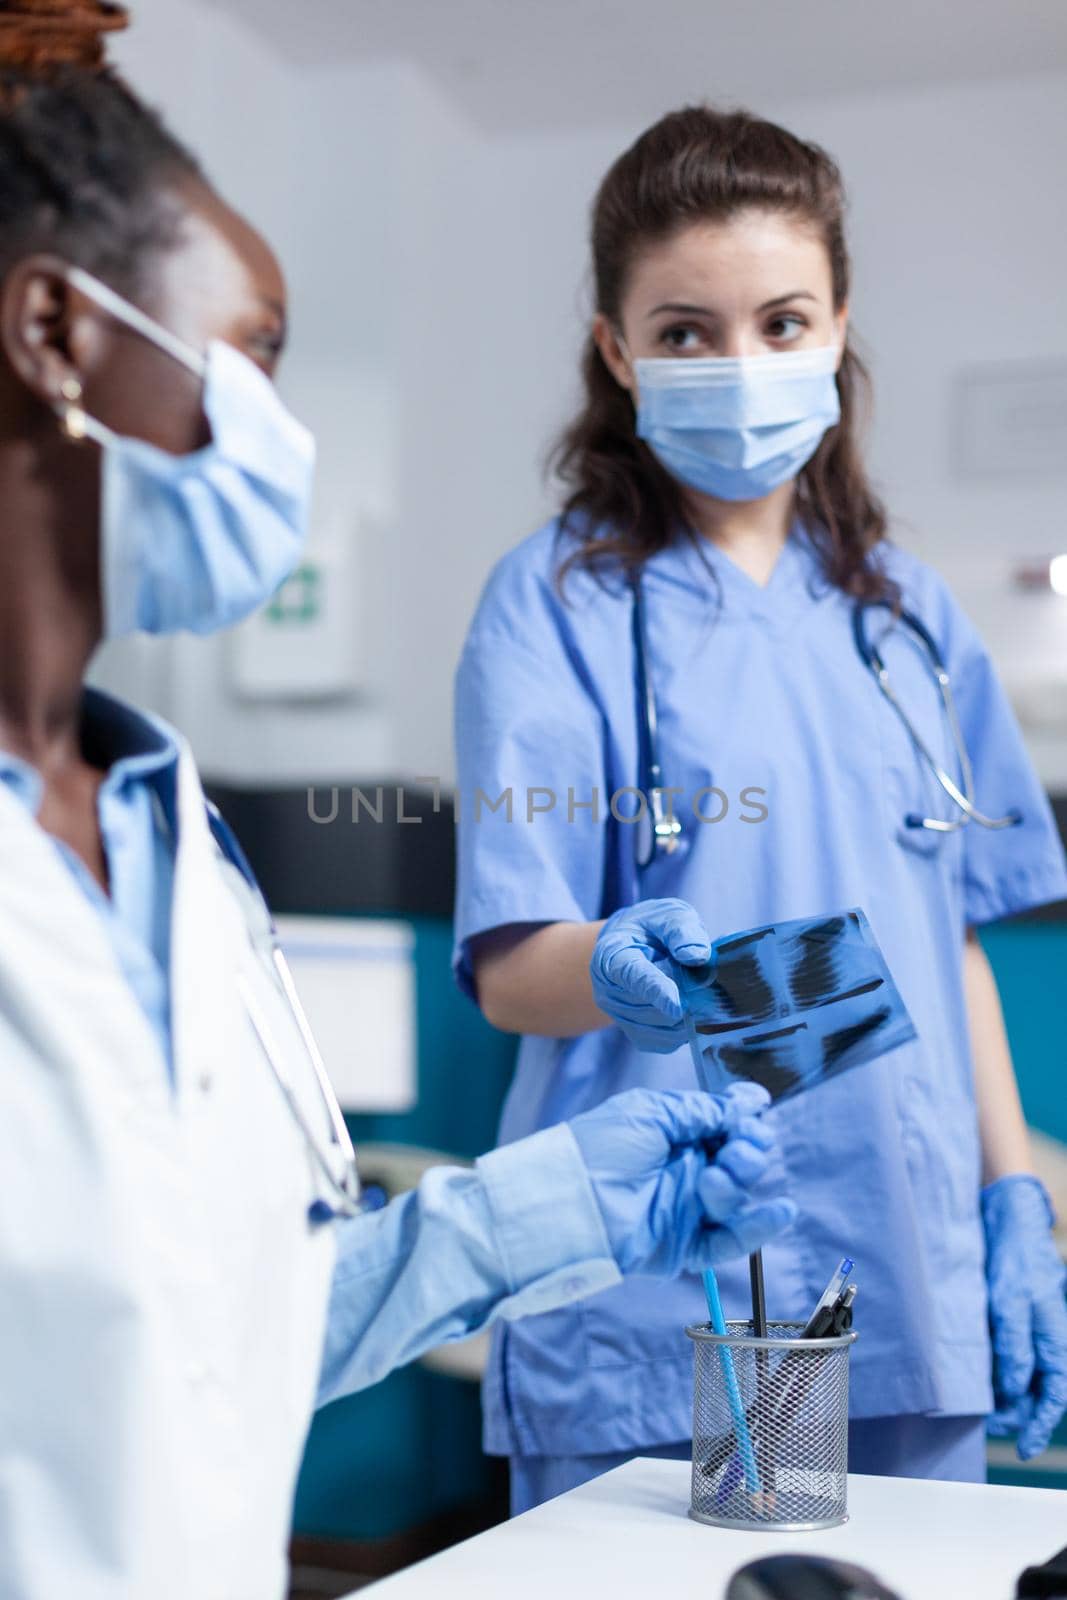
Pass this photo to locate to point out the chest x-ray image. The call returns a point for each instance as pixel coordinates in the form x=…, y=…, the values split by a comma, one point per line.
x=792, y=1004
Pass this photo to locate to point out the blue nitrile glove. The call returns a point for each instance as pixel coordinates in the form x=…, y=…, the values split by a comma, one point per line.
x=629, y=982
x=1027, y=1312
x=671, y=1170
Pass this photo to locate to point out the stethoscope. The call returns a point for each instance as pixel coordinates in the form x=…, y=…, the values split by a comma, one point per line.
x=332, y=1154
x=663, y=834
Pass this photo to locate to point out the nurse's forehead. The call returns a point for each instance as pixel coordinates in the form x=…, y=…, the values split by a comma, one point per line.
x=217, y=273
x=753, y=257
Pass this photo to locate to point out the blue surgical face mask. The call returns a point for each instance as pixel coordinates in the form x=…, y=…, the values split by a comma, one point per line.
x=198, y=541
x=737, y=427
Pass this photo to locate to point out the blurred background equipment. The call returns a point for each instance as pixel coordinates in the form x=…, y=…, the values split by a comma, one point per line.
x=356, y=979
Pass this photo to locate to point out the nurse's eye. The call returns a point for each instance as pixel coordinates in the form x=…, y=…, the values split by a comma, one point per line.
x=786, y=326
x=682, y=339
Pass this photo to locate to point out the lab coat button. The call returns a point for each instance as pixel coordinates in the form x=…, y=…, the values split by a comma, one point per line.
x=204, y=1082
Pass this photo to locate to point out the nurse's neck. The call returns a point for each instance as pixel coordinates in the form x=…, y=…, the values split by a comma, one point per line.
x=751, y=532
x=49, y=604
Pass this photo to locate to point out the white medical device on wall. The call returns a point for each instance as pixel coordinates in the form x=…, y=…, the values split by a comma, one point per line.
x=303, y=645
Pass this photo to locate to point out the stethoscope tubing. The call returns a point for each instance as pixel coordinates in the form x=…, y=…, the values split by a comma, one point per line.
x=343, y=1184
x=663, y=835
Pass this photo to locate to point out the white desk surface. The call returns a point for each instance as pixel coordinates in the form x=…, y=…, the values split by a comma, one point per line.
x=627, y=1535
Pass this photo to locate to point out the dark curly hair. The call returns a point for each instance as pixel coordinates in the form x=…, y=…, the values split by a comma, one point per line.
x=84, y=165
x=699, y=165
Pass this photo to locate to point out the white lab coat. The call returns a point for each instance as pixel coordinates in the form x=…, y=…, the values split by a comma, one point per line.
x=162, y=1296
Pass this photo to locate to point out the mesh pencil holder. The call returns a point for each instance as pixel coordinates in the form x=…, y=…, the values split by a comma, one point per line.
x=770, y=1428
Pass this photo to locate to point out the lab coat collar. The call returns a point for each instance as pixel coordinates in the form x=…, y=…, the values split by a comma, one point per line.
x=125, y=743
x=22, y=781
x=116, y=735
x=208, y=938
x=58, y=925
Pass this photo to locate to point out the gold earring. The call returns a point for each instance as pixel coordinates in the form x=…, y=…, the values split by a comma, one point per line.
x=72, y=414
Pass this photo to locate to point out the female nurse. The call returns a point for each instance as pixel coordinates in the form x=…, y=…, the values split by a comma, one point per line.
x=183, y=1266
x=717, y=511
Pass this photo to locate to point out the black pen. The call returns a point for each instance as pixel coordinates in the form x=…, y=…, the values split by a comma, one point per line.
x=821, y=1322
x=796, y=1374
x=759, y=1329
x=832, y=1322
x=791, y=1380
x=830, y=1295
x=843, y=1312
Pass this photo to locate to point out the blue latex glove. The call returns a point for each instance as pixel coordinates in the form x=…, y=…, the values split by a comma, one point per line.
x=671, y=1172
x=629, y=983
x=1027, y=1312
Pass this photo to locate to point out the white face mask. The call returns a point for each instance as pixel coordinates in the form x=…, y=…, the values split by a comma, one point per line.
x=199, y=541
x=737, y=427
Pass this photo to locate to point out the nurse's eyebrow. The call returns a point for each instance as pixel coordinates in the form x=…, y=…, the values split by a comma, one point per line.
x=783, y=299
x=680, y=310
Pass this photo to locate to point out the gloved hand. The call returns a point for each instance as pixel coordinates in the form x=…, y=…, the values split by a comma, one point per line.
x=629, y=983
x=1027, y=1312
x=671, y=1170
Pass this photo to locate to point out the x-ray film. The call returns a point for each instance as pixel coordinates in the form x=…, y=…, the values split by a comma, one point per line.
x=791, y=1004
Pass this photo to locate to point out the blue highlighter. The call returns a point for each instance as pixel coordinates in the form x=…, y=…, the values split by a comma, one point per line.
x=737, y=1409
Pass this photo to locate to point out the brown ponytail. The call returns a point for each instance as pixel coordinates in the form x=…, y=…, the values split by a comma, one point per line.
x=700, y=165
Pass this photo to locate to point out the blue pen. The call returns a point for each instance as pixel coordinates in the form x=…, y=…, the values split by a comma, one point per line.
x=730, y=1479
x=737, y=1409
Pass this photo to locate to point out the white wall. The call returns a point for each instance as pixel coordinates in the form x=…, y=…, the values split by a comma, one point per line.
x=315, y=166
x=333, y=229
x=960, y=225
x=438, y=307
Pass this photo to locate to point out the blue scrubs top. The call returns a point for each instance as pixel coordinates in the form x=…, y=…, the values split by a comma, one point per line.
x=757, y=689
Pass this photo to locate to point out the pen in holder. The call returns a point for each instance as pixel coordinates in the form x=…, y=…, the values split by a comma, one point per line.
x=770, y=1427
x=746, y=1456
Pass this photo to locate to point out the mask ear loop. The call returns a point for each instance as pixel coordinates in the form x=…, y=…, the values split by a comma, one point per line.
x=121, y=309
x=76, y=422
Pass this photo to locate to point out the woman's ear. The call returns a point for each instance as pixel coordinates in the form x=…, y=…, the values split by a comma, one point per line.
x=50, y=335
x=841, y=331
x=43, y=339
x=613, y=353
